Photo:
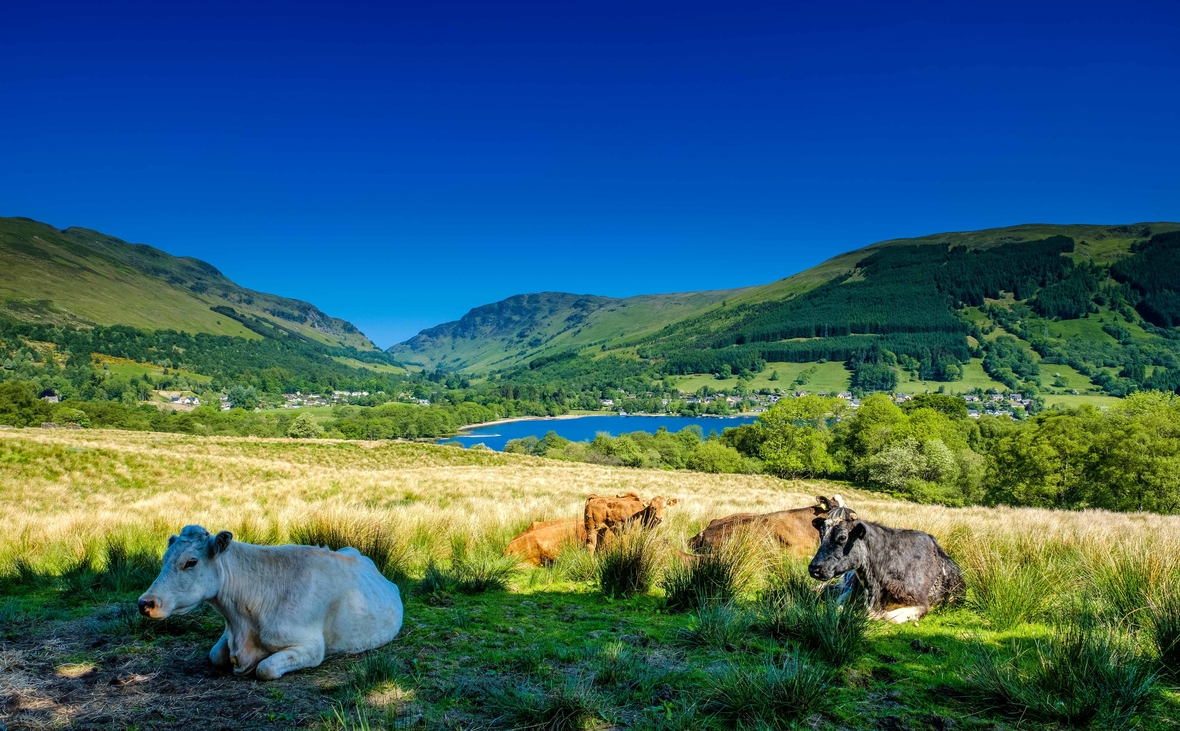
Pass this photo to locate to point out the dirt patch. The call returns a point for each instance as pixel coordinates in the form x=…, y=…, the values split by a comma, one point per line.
x=86, y=674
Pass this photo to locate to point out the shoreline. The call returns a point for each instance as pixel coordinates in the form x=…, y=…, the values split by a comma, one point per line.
x=470, y=427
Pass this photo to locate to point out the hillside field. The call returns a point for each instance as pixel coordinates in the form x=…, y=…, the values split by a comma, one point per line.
x=88, y=513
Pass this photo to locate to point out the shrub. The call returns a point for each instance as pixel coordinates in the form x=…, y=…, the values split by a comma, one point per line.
x=772, y=696
x=66, y=415
x=628, y=566
x=718, y=576
x=304, y=427
x=792, y=608
x=1084, y=673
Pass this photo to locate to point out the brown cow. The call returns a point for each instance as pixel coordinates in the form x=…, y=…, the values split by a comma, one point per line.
x=795, y=529
x=541, y=544
x=614, y=513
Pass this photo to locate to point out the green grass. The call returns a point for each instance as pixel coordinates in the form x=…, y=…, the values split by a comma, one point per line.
x=973, y=377
x=830, y=377
x=377, y=367
x=137, y=370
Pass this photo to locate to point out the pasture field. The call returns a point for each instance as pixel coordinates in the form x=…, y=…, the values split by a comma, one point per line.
x=829, y=377
x=1070, y=621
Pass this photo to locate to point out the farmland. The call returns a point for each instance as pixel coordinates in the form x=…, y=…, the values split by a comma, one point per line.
x=90, y=512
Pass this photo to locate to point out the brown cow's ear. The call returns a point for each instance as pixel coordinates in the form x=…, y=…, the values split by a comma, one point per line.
x=672, y=502
x=823, y=502
x=219, y=542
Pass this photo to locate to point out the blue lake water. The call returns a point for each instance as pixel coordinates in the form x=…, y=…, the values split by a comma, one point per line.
x=583, y=428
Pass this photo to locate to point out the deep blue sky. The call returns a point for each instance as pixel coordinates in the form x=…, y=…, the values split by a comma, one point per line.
x=399, y=164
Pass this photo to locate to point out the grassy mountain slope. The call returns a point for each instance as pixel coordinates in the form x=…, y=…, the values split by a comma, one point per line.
x=525, y=326
x=77, y=276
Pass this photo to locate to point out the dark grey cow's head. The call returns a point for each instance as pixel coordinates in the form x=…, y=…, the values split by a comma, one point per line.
x=188, y=576
x=842, y=547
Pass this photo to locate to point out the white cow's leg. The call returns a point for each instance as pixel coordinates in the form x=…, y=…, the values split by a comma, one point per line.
x=219, y=655
x=292, y=658
x=901, y=615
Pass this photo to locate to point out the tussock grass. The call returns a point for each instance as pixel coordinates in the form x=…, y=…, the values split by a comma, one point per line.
x=794, y=607
x=481, y=566
x=1163, y=626
x=716, y=626
x=570, y=706
x=374, y=668
x=718, y=576
x=1086, y=673
x=772, y=696
x=630, y=564
x=1124, y=577
x=1007, y=593
x=371, y=538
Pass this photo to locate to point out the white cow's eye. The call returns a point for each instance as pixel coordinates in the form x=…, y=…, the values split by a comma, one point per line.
x=190, y=563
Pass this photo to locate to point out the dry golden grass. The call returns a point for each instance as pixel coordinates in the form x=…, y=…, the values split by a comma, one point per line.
x=62, y=490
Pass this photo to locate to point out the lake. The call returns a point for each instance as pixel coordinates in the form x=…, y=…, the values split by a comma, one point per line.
x=583, y=428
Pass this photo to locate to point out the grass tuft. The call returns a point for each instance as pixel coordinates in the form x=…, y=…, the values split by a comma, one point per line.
x=1007, y=593
x=769, y=696
x=374, y=669
x=716, y=626
x=481, y=567
x=718, y=576
x=570, y=706
x=793, y=608
x=1163, y=627
x=371, y=538
x=629, y=565
x=1085, y=673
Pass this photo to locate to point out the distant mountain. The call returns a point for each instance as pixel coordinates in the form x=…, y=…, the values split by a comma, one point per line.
x=511, y=331
x=77, y=276
x=1098, y=303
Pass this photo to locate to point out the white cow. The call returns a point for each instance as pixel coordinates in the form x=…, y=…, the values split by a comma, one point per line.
x=285, y=607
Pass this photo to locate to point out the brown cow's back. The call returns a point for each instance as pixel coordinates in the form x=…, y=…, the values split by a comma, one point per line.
x=542, y=543
x=793, y=529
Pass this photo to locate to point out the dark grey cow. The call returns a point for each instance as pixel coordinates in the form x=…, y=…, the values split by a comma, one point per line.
x=904, y=572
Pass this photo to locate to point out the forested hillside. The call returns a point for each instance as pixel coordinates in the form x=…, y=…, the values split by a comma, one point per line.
x=1071, y=309
x=81, y=277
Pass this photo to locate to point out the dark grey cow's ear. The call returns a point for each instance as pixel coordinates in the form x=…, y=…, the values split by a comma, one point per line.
x=219, y=542
x=171, y=540
x=858, y=531
x=819, y=524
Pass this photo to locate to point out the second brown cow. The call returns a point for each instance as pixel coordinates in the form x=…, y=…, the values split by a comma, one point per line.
x=795, y=529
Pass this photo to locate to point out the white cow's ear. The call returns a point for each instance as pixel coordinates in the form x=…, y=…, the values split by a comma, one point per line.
x=220, y=542
x=171, y=540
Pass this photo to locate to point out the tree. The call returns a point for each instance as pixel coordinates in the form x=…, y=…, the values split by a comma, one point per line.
x=797, y=437
x=304, y=427
x=715, y=457
x=243, y=397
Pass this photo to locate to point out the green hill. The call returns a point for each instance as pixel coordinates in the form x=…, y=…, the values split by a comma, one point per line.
x=77, y=276
x=526, y=326
x=1099, y=305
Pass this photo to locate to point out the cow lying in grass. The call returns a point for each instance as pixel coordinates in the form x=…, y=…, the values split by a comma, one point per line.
x=613, y=514
x=904, y=572
x=285, y=607
x=541, y=544
x=795, y=529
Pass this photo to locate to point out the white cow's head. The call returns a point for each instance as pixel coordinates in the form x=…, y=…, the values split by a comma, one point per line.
x=189, y=576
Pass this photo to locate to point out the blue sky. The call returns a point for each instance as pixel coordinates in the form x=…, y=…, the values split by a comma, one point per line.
x=398, y=164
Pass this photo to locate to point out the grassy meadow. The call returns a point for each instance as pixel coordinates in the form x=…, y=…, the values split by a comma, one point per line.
x=1072, y=619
